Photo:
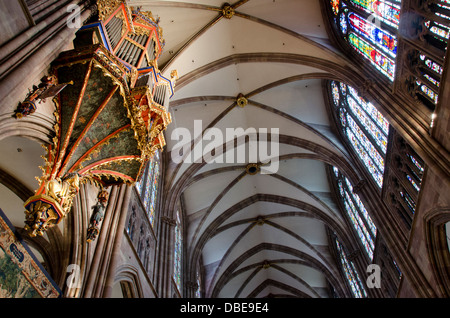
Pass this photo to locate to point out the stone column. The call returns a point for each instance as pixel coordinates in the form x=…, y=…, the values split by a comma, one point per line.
x=165, y=259
x=26, y=58
x=94, y=272
x=116, y=242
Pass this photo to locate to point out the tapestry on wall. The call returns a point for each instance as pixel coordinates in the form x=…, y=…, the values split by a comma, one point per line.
x=21, y=274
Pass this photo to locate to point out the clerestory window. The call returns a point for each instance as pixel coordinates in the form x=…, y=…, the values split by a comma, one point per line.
x=147, y=187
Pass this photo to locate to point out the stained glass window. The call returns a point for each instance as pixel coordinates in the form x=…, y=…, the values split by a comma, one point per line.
x=416, y=163
x=335, y=91
x=350, y=272
x=437, y=34
x=177, y=252
x=427, y=91
x=441, y=32
x=432, y=65
x=381, y=62
x=385, y=10
x=369, y=27
x=357, y=213
x=335, y=6
x=147, y=187
x=364, y=126
x=197, y=292
x=381, y=38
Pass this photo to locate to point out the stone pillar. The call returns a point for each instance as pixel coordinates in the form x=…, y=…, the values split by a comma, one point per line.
x=26, y=58
x=165, y=259
x=107, y=246
x=116, y=242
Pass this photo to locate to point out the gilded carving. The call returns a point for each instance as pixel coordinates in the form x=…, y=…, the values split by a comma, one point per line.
x=49, y=207
x=228, y=11
x=97, y=215
x=241, y=101
x=107, y=7
x=94, y=140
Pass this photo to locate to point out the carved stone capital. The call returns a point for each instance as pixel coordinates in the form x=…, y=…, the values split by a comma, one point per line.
x=168, y=221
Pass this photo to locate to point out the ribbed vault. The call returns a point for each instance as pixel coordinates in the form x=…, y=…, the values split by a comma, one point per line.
x=254, y=234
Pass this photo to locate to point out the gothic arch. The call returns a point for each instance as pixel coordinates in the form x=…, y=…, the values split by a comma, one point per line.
x=129, y=275
x=37, y=126
x=437, y=246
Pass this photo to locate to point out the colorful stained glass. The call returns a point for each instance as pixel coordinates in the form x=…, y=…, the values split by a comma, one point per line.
x=439, y=29
x=374, y=34
x=409, y=202
x=365, y=158
x=177, y=253
x=428, y=91
x=431, y=64
x=343, y=22
x=335, y=6
x=370, y=109
x=351, y=273
x=343, y=88
x=413, y=183
x=443, y=15
x=341, y=188
x=362, y=208
x=368, y=124
x=368, y=146
x=383, y=63
x=343, y=117
x=431, y=79
x=357, y=213
x=416, y=163
x=362, y=117
x=335, y=92
x=385, y=10
x=359, y=225
x=444, y=6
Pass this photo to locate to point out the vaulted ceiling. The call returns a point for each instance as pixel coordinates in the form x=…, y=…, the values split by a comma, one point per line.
x=255, y=235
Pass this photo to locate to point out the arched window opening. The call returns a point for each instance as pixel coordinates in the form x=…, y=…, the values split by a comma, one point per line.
x=425, y=80
x=403, y=180
x=147, y=187
x=177, y=271
x=350, y=273
x=447, y=234
x=428, y=30
x=357, y=213
x=370, y=28
x=199, y=284
x=364, y=127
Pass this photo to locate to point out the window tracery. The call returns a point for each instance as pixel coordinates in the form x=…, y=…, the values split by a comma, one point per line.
x=350, y=272
x=357, y=213
x=364, y=126
x=370, y=27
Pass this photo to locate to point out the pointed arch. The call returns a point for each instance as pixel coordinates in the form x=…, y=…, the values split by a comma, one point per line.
x=369, y=28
